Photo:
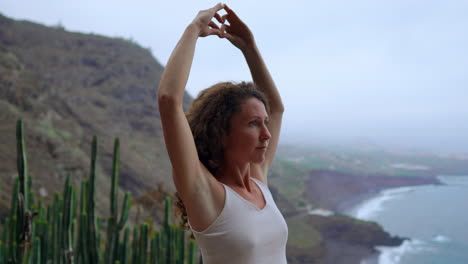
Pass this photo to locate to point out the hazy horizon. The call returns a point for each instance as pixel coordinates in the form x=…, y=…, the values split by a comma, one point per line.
x=392, y=74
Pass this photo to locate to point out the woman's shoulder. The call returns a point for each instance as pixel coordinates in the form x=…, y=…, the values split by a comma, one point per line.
x=206, y=204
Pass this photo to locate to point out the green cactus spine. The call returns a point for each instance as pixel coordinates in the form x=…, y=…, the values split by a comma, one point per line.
x=135, y=247
x=143, y=243
x=66, y=224
x=192, y=252
x=154, y=250
x=36, y=253
x=91, y=206
x=180, y=245
x=167, y=241
x=84, y=247
x=12, y=233
x=157, y=252
x=81, y=247
x=125, y=252
x=115, y=227
x=99, y=224
x=168, y=213
x=23, y=194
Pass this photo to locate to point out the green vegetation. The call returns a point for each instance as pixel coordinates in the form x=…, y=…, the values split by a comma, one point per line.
x=57, y=233
x=10, y=61
x=290, y=177
x=302, y=234
x=373, y=161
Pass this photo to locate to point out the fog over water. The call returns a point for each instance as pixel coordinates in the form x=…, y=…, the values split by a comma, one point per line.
x=392, y=73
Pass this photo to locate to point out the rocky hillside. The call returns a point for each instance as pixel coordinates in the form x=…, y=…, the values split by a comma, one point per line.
x=68, y=87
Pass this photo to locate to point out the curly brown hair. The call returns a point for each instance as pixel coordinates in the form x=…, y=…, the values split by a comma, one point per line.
x=209, y=118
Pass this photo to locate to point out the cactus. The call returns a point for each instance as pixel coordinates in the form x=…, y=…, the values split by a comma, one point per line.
x=181, y=246
x=91, y=207
x=192, y=252
x=124, y=258
x=66, y=223
x=143, y=244
x=135, y=246
x=167, y=208
x=81, y=242
x=115, y=227
x=36, y=253
x=23, y=194
x=12, y=234
x=68, y=231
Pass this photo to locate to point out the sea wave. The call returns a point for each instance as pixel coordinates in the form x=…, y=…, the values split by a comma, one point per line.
x=393, y=255
x=368, y=209
x=441, y=239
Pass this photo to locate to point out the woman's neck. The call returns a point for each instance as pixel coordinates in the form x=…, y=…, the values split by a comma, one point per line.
x=237, y=175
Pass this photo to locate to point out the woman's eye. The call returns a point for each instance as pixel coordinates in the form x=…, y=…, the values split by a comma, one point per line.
x=253, y=123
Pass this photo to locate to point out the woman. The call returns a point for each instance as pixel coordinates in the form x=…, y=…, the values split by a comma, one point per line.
x=221, y=151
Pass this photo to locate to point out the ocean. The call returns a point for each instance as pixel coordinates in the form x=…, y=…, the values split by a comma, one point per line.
x=435, y=217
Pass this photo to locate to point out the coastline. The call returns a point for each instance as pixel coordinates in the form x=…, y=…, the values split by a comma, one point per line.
x=364, y=205
x=362, y=245
x=348, y=205
x=356, y=191
x=434, y=240
x=350, y=190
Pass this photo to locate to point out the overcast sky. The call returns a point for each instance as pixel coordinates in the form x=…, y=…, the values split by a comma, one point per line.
x=391, y=72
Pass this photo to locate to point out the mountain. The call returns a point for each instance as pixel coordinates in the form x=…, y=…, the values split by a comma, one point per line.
x=68, y=87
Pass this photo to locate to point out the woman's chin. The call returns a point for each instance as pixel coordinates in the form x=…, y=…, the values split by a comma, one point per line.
x=258, y=159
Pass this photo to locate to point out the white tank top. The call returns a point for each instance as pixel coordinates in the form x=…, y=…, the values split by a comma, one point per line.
x=244, y=234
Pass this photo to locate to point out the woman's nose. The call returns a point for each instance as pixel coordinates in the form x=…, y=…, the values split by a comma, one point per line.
x=265, y=135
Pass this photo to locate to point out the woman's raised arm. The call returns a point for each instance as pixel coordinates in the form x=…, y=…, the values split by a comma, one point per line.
x=238, y=33
x=177, y=134
x=176, y=73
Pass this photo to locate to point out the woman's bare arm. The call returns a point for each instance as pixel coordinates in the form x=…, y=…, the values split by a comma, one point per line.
x=240, y=35
x=187, y=169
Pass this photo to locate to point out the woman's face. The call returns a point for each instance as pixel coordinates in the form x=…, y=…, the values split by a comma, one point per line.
x=249, y=135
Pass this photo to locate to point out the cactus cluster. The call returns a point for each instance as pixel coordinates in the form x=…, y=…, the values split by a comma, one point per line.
x=68, y=230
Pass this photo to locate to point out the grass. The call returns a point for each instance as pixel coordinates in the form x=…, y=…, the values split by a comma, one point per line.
x=290, y=178
x=301, y=234
x=11, y=107
x=10, y=61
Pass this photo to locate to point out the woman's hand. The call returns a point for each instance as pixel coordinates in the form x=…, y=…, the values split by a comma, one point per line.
x=204, y=21
x=237, y=31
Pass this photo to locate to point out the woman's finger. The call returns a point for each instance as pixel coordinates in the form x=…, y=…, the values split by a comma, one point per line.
x=213, y=25
x=231, y=38
x=214, y=31
x=225, y=18
x=230, y=12
x=218, y=7
x=227, y=28
x=219, y=18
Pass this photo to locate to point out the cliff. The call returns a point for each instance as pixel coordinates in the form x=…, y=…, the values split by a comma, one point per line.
x=339, y=239
x=339, y=191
